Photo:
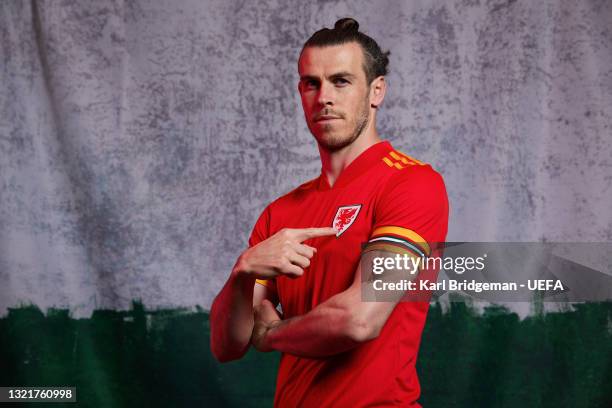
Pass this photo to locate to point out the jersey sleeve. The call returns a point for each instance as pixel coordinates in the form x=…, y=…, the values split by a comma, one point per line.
x=411, y=215
x=261, y=229
x=261, y=232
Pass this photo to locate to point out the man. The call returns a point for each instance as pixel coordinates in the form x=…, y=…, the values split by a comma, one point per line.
x=337, y=349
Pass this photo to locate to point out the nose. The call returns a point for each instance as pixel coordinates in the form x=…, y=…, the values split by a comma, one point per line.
x=326, y=94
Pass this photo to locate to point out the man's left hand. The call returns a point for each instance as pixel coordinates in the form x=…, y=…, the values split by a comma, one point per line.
x=266, y=317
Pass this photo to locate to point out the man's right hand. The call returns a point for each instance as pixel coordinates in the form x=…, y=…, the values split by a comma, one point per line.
x=281, y=254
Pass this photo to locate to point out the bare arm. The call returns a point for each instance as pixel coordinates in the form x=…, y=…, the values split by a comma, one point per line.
x=232, y=314
x=339, y=324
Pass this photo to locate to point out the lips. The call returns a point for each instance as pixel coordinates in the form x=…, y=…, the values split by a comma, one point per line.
x=325, y=117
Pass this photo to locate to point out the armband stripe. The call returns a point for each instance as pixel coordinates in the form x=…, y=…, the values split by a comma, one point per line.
x=401, y=242
x=390, y=247
x=404, y=234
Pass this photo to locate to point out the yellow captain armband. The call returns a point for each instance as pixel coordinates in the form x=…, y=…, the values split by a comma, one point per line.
x=395, y=239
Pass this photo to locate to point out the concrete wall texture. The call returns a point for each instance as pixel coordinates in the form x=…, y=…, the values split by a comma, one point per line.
x=140, y=140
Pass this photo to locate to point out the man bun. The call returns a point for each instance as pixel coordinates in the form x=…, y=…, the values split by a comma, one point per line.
x=347, y=24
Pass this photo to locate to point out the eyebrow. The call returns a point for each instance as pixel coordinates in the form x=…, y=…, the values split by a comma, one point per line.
x=308, y=77
x=341, y=74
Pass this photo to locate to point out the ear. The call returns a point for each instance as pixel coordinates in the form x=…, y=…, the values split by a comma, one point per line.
x=378, y=88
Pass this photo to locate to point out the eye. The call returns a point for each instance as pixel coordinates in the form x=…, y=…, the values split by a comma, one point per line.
x=341, y=82
x=310, y=84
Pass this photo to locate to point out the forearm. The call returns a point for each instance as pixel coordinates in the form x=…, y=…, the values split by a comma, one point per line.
x=341, y=323
x=231, y=318
x=326, y=330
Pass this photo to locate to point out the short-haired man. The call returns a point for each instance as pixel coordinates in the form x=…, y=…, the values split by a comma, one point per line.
x=305, y=249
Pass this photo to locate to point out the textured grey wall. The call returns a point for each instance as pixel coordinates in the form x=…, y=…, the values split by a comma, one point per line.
x=140, y=140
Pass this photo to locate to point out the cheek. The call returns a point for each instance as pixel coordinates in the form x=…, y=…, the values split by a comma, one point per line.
x=306, y=106
x=307, y=102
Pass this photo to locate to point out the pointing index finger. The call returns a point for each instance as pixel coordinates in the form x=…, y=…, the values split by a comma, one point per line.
x=307, y=233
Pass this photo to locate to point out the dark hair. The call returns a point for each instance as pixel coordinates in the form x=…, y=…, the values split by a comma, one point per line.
x=347, y=30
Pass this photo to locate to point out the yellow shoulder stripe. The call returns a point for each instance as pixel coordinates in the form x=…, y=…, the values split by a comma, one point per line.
x=400, y=161
x=406, y=157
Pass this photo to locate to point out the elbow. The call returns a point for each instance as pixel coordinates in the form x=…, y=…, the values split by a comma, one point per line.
x=361, y=330
x=224, y=357
x=223, y=349
x=219, y=354
x=221, y=358
x=223, y=354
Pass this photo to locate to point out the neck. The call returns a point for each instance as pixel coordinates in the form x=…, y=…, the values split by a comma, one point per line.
x=334, y=162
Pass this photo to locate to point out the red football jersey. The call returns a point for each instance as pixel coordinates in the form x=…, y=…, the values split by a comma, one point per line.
x=383, y=198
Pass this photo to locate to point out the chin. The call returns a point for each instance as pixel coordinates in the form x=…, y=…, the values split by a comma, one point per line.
x=333, y=142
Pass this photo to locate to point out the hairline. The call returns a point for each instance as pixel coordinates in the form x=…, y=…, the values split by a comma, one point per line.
x=364, y=53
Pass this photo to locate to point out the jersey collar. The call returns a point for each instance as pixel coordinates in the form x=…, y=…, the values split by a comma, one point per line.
x=370, y=157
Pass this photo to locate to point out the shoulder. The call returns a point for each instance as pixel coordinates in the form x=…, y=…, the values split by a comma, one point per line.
x=406, y=173
x=413, y=199
x=295, y=195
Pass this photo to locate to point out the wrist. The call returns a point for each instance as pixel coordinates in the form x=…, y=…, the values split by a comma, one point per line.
x=241, y=269
x=258, y=339
x=242, y=279
x=261, y=338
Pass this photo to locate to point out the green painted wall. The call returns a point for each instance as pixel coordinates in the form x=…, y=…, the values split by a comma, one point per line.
x=162, y=359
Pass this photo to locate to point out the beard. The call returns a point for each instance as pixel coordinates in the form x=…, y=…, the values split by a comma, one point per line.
x=333, y=141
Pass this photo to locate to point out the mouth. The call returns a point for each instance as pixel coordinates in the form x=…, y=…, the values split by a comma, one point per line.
x=325, y=118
